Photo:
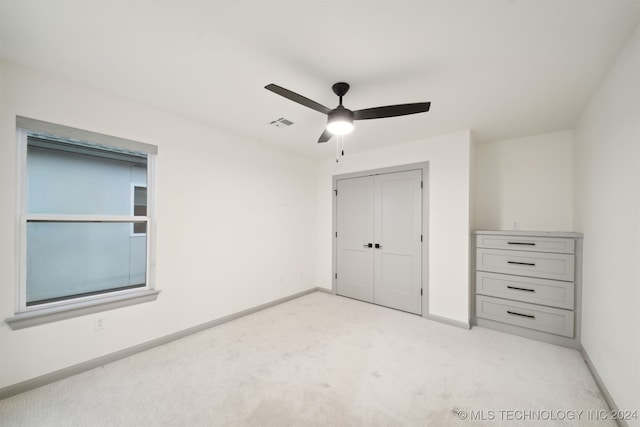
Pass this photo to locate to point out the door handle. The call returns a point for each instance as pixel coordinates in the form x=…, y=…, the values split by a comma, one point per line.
x=378, y=246
x=367, y=245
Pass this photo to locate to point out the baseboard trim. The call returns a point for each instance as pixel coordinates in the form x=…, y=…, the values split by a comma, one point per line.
x=446, y=320
x=325, y=290
x=60, y=374
x=528, y=333
x=600, y=384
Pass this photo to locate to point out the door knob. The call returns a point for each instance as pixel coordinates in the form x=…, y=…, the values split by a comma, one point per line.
x=378, y=246
x=367, y=245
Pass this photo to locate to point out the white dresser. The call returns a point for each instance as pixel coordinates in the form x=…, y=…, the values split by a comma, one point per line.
x=529, y=284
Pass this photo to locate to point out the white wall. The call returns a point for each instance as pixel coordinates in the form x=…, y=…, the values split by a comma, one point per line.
x=236, y=224
x=449, y=162
x=527, y=181
x=607, y=211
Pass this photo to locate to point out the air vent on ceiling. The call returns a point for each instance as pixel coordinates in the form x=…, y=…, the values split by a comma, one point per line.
x=281, y=122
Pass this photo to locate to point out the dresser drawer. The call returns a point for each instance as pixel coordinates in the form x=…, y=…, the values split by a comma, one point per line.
x=545, y=319
x=553, y=293
x=532, y=264
x=524, y=243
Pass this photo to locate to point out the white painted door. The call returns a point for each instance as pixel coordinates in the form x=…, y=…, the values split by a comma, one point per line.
x=354, y=225
x=384, y=211
x=398, y=230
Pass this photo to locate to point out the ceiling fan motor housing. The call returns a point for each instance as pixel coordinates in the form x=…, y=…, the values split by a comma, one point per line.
x=340, y=114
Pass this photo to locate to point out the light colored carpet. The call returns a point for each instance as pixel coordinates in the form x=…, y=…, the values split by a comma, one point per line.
x=325, y=360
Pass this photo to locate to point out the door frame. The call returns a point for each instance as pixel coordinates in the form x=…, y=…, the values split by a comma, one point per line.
x=424, y=167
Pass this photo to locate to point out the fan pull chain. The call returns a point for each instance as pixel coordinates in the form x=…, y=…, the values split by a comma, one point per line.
x=339, y=147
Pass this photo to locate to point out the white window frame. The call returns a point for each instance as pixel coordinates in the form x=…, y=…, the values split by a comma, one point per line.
x=26, y=316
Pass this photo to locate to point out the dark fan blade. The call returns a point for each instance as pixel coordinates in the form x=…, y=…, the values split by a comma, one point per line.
x=326, y=135
x=297, y=98
x=391, y=111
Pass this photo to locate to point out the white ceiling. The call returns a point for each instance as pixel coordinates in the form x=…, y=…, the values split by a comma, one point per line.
x=500, y=68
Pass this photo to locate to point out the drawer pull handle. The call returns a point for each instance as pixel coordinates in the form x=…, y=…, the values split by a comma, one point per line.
x=522, y=263
x=528, y=316
x=520, y=289
x=521, y=243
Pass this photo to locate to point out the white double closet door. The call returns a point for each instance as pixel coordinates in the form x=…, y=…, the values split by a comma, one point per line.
x=379, y=233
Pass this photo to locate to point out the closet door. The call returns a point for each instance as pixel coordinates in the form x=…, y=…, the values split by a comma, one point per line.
x=398, y=230
x=379, y=226
x=354, y=225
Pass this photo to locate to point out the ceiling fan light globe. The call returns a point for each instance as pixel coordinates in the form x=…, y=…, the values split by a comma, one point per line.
x=340, y=127
x=340, y=121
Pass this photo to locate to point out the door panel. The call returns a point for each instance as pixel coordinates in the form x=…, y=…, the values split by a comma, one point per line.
x=395, y=273
x=398, y=227
x=354, y=263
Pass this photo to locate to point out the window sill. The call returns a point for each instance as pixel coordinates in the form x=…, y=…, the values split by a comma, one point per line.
x=28, y=319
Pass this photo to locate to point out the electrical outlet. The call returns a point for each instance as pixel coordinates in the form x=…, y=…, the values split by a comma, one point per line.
x=98, y=324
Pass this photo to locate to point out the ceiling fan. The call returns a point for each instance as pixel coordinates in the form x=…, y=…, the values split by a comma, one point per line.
x=340, y=119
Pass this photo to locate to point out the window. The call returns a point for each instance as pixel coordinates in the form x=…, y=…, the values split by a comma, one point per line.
x=86, y=222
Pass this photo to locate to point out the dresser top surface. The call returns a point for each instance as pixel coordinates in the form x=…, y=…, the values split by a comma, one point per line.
x=569, y=234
